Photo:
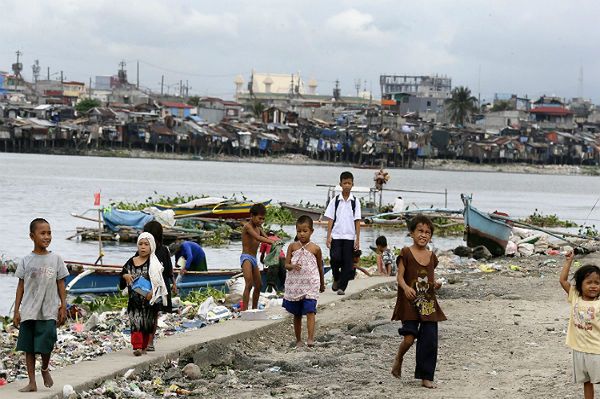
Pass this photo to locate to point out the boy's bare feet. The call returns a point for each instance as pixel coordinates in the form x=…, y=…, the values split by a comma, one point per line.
x=397, y=367
x=31, y=387
x=48, y=381
x=428, y=384
x=299, y=344
x=310, y=344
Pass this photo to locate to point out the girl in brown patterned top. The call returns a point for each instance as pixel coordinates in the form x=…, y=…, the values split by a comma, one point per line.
x=416, y=304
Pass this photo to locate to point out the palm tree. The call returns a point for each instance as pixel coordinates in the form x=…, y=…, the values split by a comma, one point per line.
x=461, y=105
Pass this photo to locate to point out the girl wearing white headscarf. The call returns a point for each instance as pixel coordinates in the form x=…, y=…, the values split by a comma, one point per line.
x=142, y=275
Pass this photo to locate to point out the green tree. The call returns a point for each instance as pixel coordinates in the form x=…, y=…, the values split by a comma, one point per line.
x=461, y=105
x=86, y=104
x=258, y=108
x=502, y=105
x=194, y=100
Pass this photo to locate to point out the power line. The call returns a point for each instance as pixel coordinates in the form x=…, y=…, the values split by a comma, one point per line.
x=188, y=73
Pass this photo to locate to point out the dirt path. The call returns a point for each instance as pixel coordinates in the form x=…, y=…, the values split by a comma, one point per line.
x=504, y=339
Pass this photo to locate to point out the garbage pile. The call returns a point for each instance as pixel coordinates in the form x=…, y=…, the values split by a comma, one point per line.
x=87, y=335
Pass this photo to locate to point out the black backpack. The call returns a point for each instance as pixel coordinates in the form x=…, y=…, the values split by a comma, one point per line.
x=337, y=203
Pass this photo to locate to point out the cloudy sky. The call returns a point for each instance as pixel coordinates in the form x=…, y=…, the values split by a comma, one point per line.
x=500, y=46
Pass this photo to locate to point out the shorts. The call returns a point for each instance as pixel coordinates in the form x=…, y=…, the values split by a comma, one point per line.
x=586, y=367
x=37, y=336
x=301, y=307
x=249, y=258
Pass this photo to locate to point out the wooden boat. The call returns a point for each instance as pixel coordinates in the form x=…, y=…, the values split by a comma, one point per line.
x=314, y=212
x=482, y=229
x=87, y=278
x=218, y=209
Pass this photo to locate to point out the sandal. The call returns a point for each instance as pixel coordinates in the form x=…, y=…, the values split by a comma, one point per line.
x=150, y=348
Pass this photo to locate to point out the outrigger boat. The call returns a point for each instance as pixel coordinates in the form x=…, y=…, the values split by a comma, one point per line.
x=212, y=207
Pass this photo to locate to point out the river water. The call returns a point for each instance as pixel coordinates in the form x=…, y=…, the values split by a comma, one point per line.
x=53, y=187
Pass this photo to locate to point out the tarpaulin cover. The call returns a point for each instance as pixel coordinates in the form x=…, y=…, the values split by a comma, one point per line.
x=118, y=217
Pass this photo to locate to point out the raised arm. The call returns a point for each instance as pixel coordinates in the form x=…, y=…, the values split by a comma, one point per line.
x=564, y=274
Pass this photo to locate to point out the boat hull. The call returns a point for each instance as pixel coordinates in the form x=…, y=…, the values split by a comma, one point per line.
x=220, y=211
x=297, y=211
x=481, y=229
x=105, y=279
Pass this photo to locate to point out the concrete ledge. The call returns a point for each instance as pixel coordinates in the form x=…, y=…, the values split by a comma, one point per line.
x=90, y=374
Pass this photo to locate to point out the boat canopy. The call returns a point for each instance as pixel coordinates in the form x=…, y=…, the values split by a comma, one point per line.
x=113, y=218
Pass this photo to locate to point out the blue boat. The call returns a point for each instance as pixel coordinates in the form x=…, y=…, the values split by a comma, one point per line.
x=482, y=229
x=87, y=278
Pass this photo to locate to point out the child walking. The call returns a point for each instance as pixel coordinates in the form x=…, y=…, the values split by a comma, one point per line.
x=252, y=236
x=385, y=259
x=142, y=275
x=164, y=257
x=583, y=333
x=304, y=280
x=343, y=233
x=416, y=304
x=40, y=303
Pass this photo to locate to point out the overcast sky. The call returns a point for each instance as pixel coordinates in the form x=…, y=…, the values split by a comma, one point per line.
x=523, y=47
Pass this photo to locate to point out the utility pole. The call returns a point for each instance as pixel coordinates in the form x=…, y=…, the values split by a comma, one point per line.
x=138, y=75
x=187, y=89
x=90, y=88
x=162, y=84
x=181, y=88
x=61, y=77
x=48, y=76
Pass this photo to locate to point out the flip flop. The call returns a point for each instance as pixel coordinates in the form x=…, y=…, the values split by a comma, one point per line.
x=150, y=348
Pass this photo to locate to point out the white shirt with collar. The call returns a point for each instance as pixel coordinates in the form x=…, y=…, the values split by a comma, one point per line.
x=343, y=228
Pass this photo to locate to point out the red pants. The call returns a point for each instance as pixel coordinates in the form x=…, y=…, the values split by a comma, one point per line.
x=139, y=340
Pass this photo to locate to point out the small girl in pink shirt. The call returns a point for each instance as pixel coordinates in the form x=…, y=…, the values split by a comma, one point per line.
x=304, y=280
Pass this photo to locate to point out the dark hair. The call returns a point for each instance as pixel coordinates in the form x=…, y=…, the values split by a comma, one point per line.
x=258, y=209
x=356, y=253
x=420, y=219
x=381, y=241
x=304, y=219
x=346, y=175
x=581, y=273
x=155, y=228
x=35, y=222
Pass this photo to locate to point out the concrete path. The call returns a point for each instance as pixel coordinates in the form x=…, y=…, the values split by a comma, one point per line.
x=89, y=374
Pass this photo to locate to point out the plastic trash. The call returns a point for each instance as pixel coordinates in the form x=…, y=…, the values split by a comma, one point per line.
x=218, y=313
x=68, y=390
x=206, y=307
x=514, y=268
x=275, y=369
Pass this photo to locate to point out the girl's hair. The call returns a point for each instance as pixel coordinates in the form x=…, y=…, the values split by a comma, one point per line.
x=304, y=219
x=155, y=228
x=581, y=273
x=420, y=219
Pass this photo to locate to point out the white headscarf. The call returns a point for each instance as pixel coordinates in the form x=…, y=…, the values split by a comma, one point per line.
x=159, y=289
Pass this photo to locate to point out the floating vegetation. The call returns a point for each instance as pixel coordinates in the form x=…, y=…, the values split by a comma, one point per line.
x=155, y=199
x=278, y=215
x=447, y=227
x=541, y=220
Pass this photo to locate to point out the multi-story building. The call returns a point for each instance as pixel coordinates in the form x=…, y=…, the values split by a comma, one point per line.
x=415, y=94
